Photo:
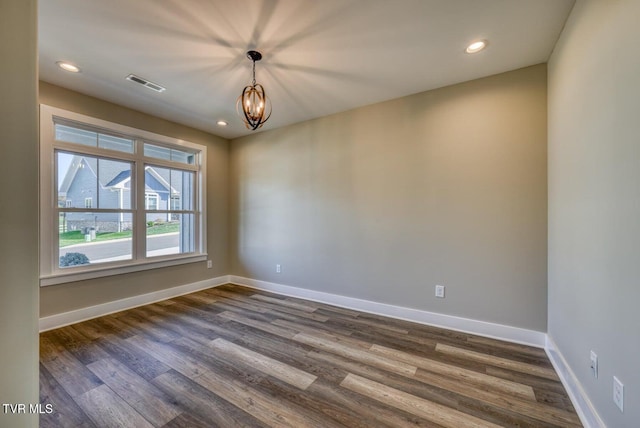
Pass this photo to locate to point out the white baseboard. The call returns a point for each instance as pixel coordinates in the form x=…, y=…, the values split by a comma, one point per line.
x=587, y=413
x=481, y=328
x=83, y=314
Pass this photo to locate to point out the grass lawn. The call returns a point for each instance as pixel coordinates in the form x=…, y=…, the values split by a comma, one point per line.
x=76, y=236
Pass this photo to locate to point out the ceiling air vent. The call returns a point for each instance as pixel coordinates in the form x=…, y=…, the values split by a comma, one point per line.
x=146, y=83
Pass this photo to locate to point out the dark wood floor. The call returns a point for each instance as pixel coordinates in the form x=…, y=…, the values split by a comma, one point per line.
x=232, y=356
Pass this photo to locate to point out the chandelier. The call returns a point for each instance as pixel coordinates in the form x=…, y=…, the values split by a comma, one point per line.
x=253, y=106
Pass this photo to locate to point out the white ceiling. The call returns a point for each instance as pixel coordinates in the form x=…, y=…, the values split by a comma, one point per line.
x=320, y=56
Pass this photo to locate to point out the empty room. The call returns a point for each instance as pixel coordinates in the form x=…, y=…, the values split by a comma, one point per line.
x=340, y=213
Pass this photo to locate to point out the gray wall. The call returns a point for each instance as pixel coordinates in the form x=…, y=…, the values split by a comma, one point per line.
x=594, y=200
x=60, y=298
x=383, y=202
x=19, y=217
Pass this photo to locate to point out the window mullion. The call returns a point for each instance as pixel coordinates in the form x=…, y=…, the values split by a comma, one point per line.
x=140, y=241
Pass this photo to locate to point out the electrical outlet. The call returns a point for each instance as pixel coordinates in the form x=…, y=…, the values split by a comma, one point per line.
x=618, y=393
x=209, y=264
x=278, y=269
x=440, y=291
x=594, y=364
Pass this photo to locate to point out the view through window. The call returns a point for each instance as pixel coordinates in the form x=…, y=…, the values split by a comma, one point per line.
x=119, y=199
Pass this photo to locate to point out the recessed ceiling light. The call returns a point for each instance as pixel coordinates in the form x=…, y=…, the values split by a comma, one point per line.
x=221, y=123
x=476, y=46
x=67, y=66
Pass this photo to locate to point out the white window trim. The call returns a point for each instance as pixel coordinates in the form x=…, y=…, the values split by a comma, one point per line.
x=88, y=203
x=147, y=198
x=50, y=273
x=172, y=202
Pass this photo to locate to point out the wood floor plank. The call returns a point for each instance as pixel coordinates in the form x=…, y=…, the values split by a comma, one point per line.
x=107, y=410
x=202, y=404
x=206, y=315
x=293, y=314
x=138, y=319
x=311, y=318
x=207, y=323
x=526, y=407
x=368, y=324
x=145, y=398
x=201, y=298
x=308, y=303
x=283, y=302
x=80, y=346
x=537, y=383
x=278, y=309
x=66, y=414
x=133, y=357
x=188, y=420
x=338, y=338
x=233, y=299
x=303, y=322
x=273, y=329
x=92, y=329
x=357, y=354
x=502, y=417
x=554, y=399
x=416, y=345
x=437, y=413
x=459, y=373
x=49, y=347
x=71, y=373
x=404, y=383
x=113, y=326
x=183, y=328
x=275, y=368
x=324, y=412
x=369, y=412
x=498, y=362
x=331, y=310
x=512, y=347
x=286, y=351
x=268, y=409
x=179, y=361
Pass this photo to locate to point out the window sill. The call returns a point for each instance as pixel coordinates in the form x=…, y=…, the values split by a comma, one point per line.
x=64, y=277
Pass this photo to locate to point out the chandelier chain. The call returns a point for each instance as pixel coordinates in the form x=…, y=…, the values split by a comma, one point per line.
x=254, y=73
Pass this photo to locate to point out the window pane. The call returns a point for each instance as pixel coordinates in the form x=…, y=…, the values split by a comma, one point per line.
x=151, y=201
x=115, y=143
x=169, y=233
x=93, y=237
x=173, y=187
x=157, y=152
x=76, y=135
x=157, y=187
x=115, y=184
x=77, y=180
x=181, y=156
x=175, y=155
x=182, y=190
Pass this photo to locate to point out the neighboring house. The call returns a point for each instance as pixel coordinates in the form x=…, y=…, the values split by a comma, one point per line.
x=91, y=184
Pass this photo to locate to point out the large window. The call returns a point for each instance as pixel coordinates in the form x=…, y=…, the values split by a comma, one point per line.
x=116, y=199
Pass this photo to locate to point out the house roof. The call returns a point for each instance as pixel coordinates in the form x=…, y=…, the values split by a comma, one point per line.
x=111, y=174
x=119, y=178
